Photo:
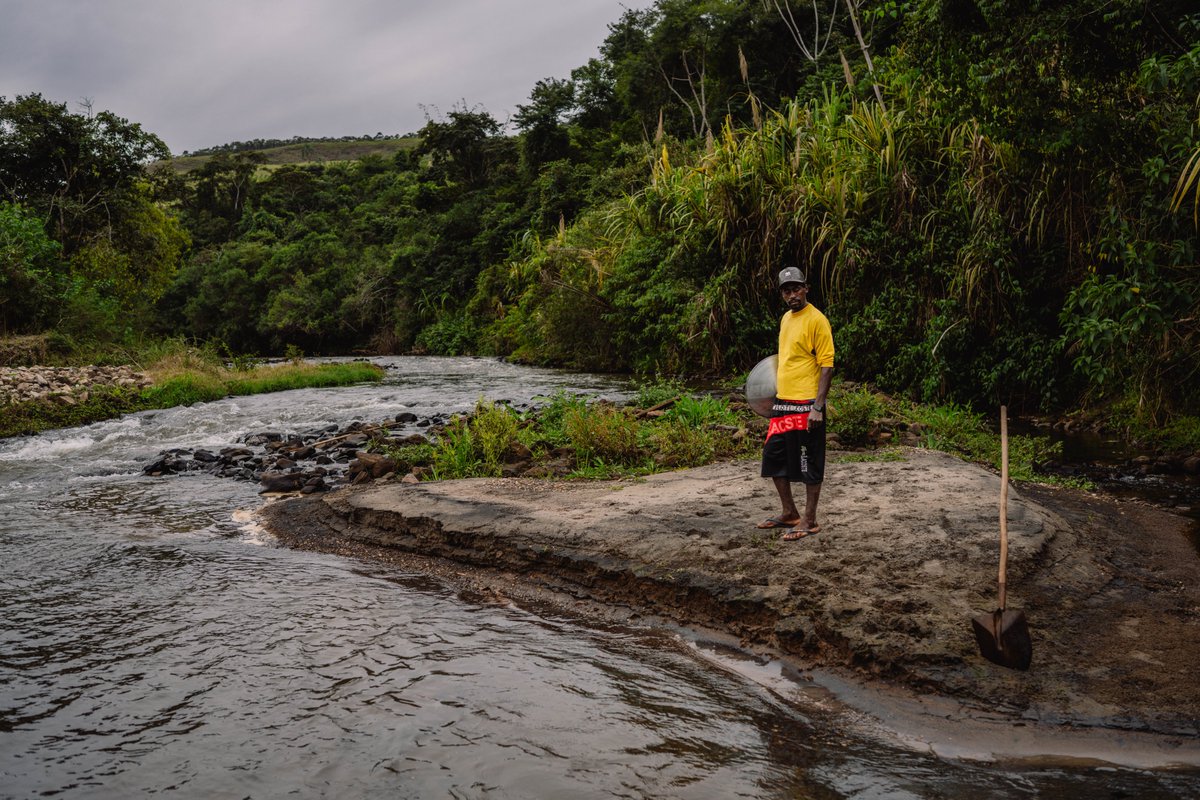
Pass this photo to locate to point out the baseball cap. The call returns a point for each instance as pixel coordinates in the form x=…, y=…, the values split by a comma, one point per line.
x=791, y=275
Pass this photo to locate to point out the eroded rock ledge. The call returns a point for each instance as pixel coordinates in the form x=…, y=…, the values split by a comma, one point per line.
x=907, y=556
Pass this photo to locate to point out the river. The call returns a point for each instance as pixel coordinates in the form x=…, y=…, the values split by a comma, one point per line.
x=155, y=641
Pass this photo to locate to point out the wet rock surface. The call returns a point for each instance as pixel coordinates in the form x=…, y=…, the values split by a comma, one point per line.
x=907, y=555
x=307, y=462
x=324, y=459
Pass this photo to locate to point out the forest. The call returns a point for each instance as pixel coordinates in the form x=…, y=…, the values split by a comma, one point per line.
x=995, y=201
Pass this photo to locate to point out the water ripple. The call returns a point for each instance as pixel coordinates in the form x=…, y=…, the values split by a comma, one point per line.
x=151, y=644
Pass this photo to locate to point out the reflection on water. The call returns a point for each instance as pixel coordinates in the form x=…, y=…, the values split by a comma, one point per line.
x=151, y=644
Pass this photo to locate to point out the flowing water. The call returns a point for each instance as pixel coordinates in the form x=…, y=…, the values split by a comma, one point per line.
x=155, y=642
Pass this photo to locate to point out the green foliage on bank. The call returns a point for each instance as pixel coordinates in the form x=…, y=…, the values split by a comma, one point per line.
x=18, y=419
x=1000, y=208
x=855, y=413
x=599, y=439
x=179, y=387
x=573, y=436
x=84, y=249
x=302, y=376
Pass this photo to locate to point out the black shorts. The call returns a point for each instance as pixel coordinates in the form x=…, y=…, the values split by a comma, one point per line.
x=794, y=449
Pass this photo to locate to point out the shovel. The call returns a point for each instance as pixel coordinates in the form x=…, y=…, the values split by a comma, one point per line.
x=1003, y=635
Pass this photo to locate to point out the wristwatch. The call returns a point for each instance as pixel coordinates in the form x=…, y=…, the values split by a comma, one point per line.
x=818, y=407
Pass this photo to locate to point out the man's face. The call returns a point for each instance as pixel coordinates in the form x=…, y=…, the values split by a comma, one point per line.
x=795, y=295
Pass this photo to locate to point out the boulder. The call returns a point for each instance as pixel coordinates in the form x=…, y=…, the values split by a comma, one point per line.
x=282, y=482
x=373, y=465
x=314, y=484
x=514, y=470
x=259, y=439
x=415, y=438
x=166, y=464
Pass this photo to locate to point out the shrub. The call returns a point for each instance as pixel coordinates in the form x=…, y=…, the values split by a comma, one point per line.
x=552, y=417
x=1026, y=451
x=602, y=433
x=450, y=335
x=659, y=390
x=679, y=444
x=475, y=445
x=702, y=411
x=853, y=414
x=494, y=429
x=456, y=455
x=411, y=455
x=955, y=429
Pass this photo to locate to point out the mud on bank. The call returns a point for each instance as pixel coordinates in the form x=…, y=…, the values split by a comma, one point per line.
x=906, y=556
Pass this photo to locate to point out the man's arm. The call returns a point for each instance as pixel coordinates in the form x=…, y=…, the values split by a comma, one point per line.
x=822, y=391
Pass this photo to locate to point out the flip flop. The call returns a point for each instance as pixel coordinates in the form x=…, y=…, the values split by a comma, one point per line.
x=775, y=522
x=797, y=533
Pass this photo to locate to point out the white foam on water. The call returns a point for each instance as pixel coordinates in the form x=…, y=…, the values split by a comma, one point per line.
x=40, y=448
x=252, y=531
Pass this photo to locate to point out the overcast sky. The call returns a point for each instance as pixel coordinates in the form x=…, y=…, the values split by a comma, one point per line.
x=200, y=73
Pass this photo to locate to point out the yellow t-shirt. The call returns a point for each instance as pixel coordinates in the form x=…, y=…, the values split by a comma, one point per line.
x=805, y=345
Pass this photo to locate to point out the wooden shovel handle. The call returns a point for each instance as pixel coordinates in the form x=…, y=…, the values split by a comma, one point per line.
x=1003, y=505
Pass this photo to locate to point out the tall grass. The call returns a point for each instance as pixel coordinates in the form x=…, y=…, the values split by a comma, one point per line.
x=703, y=411
x=456, y=454
x=282, y=377
x=944, y=255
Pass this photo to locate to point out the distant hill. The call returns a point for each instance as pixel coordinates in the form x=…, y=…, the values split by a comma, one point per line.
x=300, y=151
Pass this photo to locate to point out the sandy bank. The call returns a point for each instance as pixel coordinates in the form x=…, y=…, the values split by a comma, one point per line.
x=885, y=592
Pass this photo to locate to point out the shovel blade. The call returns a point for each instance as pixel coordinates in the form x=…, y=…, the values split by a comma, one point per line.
x=1003, y=638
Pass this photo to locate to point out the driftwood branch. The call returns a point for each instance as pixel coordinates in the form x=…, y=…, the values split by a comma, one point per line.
x=369, y=429
x=645, y=412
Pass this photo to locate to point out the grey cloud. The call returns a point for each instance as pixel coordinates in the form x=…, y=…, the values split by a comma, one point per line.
x=204, y=73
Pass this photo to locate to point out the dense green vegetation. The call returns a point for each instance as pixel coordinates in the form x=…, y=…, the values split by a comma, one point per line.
x=997, y=206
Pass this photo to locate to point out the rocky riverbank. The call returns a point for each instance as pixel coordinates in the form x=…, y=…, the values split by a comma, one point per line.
x=885, y=593
x=307, y=462
x=64, y=385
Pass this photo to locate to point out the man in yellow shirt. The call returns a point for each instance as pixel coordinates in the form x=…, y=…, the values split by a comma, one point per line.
x=795, y=446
